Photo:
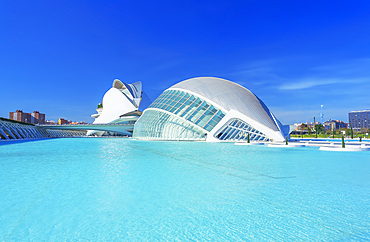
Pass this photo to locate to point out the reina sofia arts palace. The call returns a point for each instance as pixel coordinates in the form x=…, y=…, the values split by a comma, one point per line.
x=198, y=109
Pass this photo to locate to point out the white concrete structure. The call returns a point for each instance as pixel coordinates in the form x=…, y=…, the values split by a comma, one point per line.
x=209, y=109
x=10, y=129
x=114, y=128
x=120, y=105
x=14, y=130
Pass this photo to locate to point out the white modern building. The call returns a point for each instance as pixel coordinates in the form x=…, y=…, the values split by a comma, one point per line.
x=120, y=105
x=209, y=109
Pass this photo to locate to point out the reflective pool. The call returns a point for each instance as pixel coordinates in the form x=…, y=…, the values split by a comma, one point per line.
x=122, y=189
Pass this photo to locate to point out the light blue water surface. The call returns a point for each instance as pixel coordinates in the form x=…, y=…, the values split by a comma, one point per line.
x=122, y=189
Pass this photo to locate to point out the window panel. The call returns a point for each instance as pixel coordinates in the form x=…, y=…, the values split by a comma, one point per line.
x=237, y=129
x=198, y=112
x=177, y=105
x=189, y=107
x=224, y=133
x=185, y=107
x=205, y=118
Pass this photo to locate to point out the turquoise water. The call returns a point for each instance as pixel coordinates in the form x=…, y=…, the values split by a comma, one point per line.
x=122, y=189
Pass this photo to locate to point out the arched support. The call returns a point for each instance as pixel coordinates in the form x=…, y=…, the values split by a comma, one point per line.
x=3, y=133
x=9, y=132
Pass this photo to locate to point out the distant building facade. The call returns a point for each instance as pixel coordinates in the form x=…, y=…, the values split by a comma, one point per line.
x=32, y=118
x=334, y=125
x=50, y=122
x=63, y=121
x=78, y=122
x=359, y=119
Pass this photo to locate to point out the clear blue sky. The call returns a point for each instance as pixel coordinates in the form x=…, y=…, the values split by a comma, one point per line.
x=60, y=57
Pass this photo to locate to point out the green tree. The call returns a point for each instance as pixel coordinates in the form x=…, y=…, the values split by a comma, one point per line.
x=343, y=144
x=320, y=128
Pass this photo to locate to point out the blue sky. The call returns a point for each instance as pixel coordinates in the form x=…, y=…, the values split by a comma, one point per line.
x=60, y=57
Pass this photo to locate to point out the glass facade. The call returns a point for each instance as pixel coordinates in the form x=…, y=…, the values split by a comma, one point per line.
x=359, y=119
x=189, y=107
x=237, y=130
x=200, y=117
x=158, y=125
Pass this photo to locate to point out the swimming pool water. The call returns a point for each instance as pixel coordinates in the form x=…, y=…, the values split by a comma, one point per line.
x=123, y=189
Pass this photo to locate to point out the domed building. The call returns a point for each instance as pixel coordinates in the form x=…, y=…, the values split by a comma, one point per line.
x=209, y=109
x=120, y=105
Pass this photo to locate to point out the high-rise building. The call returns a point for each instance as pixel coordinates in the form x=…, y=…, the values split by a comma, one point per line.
x=359, y=119
x=37, y=117
x=32, y=118
x=18, y=116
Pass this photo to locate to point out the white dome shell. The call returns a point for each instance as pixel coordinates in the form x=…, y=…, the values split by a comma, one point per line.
x=230, y=96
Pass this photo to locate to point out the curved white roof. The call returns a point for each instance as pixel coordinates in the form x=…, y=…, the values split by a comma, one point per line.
x=133, y=91
x=230, y=96
x=121, y=99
